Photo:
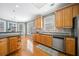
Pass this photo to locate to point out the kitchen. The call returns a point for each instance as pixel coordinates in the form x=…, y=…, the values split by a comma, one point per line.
x=50, y=31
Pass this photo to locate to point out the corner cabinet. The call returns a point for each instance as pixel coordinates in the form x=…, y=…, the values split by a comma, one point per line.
x=39, y=22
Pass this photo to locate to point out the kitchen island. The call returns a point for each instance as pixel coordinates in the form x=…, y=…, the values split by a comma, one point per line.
x=9, y=42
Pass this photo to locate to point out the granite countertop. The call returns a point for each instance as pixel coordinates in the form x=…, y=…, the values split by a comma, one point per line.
x=57, y=34
x=3, y=35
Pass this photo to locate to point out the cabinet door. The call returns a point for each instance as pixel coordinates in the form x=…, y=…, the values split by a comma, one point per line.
x=3, y=47
x=43, y=39
x=75, y=10
x=48, y=40
x=37, y=37
x=59, y=19
x=18, y=43
x=38, y=22
x=13, y=44
x=68, y=17
x=70, y=46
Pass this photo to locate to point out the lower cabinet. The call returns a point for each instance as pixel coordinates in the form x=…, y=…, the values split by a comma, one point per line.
x=3, y=47
x=9, y=45
x=70, y=45
x=13, y=44
x=48, y=40
x=43, y=39
x=36, y=37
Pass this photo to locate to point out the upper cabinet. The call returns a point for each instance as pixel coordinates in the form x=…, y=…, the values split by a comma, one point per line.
x=64, y=17
x=59, y=19
x=39, y=22
x=67, y=14
x=75, y=10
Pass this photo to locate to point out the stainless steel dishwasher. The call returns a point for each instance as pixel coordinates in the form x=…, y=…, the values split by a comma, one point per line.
x=58, y=43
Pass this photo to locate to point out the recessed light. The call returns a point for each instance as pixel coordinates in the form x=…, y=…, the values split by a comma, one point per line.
x=17, y=6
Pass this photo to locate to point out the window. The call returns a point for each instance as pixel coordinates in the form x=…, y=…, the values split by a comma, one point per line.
x=2, y=26
x=49, y=23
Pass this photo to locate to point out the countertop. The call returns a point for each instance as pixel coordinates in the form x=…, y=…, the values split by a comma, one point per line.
x=3, y=35
x=57, y=34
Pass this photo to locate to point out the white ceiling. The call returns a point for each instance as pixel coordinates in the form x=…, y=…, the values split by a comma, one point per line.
x=22, y=12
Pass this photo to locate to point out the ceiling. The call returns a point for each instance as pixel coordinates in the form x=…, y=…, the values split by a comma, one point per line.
x=23, y=12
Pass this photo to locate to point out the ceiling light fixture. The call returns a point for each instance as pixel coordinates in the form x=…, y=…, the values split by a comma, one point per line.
x=17, y=6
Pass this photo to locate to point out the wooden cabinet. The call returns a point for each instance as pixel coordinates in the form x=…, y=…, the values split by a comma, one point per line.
x=64, y=17
x=18, y=42
x=43, y=39
x=68, y=17
x=59, y=19
x=3, y=47
x=76, y=10
x=37, y=37
x=48, y=40
x=13, y=44
x=38, y=22
x=70, y=45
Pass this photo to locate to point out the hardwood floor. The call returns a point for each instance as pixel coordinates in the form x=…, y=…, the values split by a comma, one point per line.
x=28, y=49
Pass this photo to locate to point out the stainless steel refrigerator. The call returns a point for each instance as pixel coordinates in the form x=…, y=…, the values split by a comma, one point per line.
x=76, y=32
